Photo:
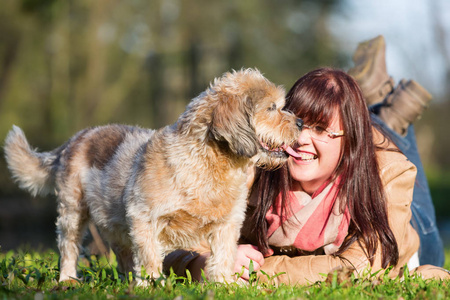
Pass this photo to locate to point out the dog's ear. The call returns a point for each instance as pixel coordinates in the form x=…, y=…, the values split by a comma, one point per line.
x=231, y=122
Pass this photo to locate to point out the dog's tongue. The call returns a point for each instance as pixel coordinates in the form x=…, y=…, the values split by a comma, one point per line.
x=291, y=151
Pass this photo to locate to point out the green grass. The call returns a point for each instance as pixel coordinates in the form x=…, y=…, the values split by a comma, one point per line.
x=33, y=275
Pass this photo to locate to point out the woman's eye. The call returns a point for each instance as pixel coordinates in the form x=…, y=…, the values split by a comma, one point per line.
x=319, y=129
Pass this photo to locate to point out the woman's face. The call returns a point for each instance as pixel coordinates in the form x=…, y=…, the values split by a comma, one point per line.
x=313, y=161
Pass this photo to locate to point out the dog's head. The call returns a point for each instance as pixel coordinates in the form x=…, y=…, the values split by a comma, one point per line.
x=248, y=116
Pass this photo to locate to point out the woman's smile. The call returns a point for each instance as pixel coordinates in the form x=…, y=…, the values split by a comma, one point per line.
x=302, y=157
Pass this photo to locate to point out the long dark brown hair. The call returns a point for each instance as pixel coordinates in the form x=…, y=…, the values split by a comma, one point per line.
x=314, y=98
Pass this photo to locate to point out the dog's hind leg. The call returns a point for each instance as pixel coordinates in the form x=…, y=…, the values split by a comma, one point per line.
x=124, y=257
x=71, y=224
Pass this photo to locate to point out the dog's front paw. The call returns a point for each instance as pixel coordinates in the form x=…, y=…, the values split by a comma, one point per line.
x=140, y=282
x=70, y=282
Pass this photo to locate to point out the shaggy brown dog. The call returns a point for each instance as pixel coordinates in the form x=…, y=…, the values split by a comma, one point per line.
x=153, y=191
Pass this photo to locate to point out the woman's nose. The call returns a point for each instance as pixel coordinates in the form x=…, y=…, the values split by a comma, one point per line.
x=304, y=137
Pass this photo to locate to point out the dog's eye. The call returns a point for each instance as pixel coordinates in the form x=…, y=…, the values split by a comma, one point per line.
x=273, y=107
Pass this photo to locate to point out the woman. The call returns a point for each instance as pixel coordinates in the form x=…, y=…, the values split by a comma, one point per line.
x=342, y=200
x=345, y=193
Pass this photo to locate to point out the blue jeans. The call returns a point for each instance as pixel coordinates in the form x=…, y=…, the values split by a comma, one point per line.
x=423, y=219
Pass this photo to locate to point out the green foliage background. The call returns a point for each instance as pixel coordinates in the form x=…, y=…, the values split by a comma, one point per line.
x=67, y=65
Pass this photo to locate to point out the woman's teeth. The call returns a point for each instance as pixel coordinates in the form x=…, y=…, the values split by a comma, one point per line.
x=306, y=156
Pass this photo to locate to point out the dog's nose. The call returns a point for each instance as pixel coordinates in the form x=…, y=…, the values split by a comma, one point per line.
x=300, y=123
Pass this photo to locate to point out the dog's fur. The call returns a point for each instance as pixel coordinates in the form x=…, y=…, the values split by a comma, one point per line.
x=152, y=191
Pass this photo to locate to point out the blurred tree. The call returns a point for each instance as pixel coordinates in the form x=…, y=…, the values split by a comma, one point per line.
x=67, y=65
x=10, y=40
x=84, y=63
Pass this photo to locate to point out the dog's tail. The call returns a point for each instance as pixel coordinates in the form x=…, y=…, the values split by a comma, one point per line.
x=31, y=169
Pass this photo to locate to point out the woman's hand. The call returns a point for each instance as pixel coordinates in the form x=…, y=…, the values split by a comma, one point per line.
x=245, y=253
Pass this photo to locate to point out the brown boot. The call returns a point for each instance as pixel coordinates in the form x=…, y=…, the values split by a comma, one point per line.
x=370, y=70
x=404, y=106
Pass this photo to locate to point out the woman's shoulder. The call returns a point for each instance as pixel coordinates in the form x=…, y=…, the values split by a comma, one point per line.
x=391, y=161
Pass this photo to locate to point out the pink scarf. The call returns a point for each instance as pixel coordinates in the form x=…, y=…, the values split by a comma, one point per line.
x=311, y=222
